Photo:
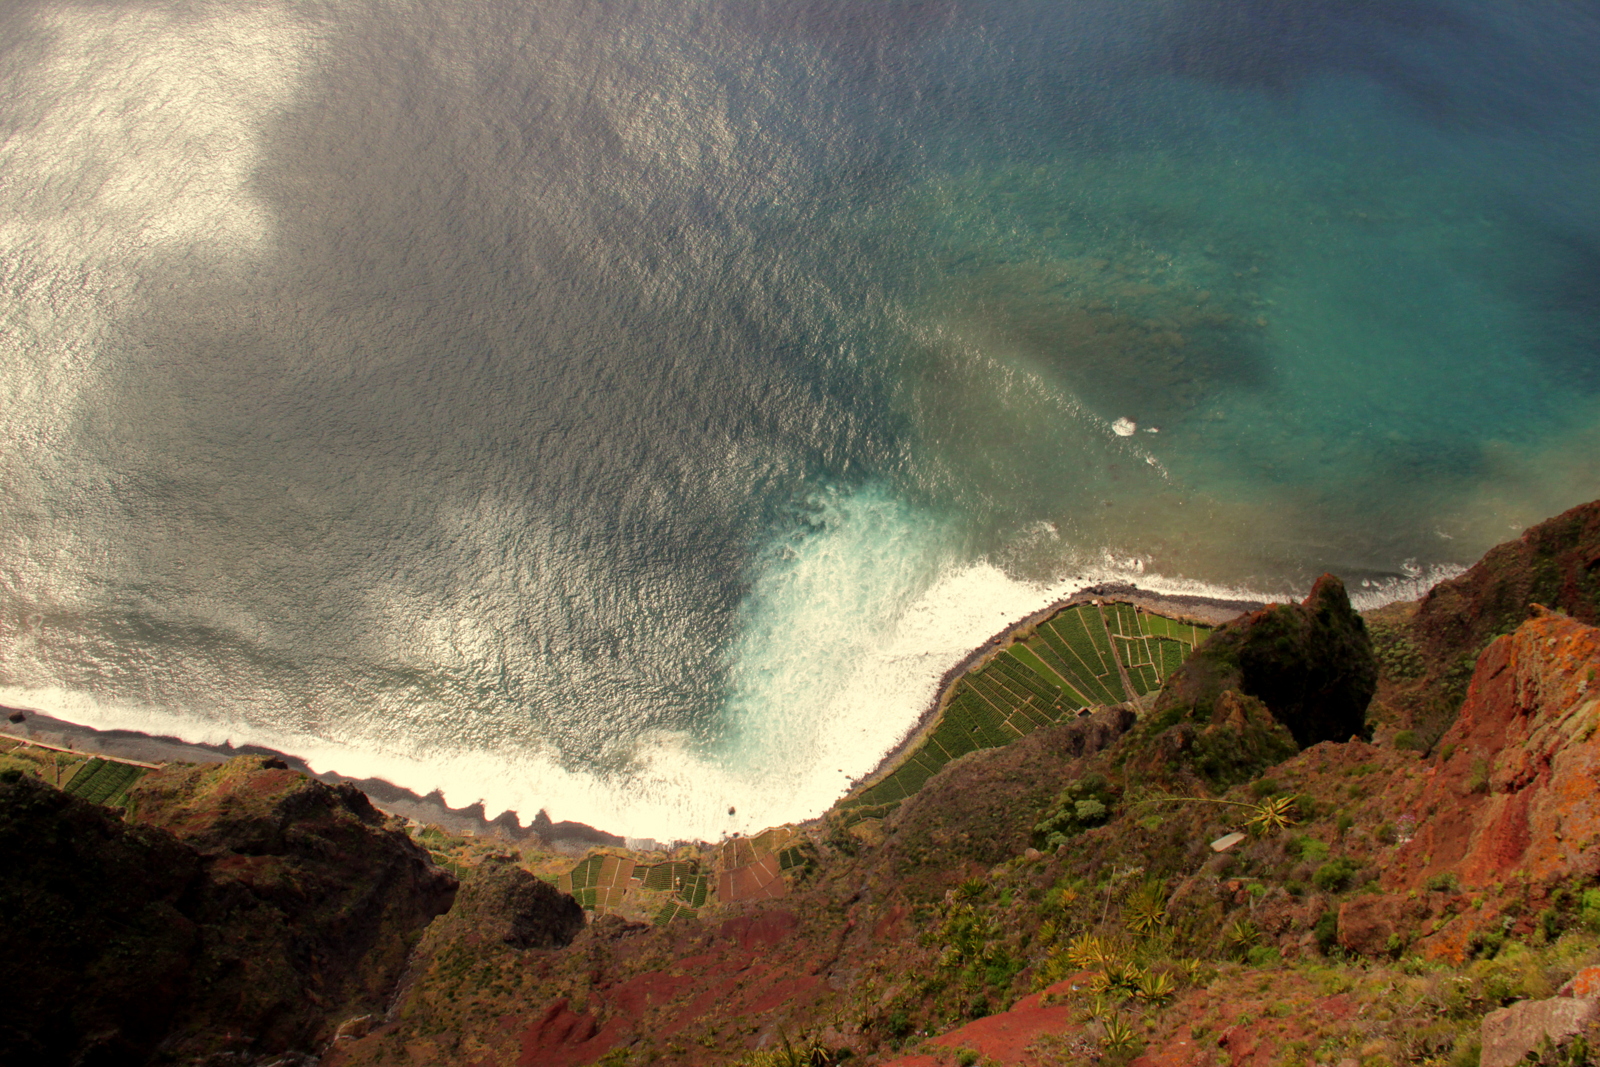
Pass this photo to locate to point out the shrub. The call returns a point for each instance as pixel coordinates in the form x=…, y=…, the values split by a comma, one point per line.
x=1326, y=929
x=1263, y=956
x=1442, y=883
x=1335, y=874
x=1590, y=905
x=1312, y=850
x=1478, y=779
x=1406, y=741
x=1083, y=804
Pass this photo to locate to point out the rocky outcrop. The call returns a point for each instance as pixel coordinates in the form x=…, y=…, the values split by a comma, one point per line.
x=1311, y=664
x=1430, y=652
x=506, y=903
x=99, y=937
x=981, y=808
x=1509, y=810
x=1516, y=791
x=1241, y=739
x=247, y=911
x=1510, y=1034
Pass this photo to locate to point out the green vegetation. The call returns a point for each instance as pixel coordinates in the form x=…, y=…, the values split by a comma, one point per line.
x=105, y=782
x=1396, y=654
x=1081, y=805
x=1074, y=660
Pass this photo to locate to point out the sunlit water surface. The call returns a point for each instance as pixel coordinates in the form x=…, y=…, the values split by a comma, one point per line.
x=629, y=411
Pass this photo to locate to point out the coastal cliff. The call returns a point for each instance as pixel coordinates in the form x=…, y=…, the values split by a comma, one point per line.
x=1317, y=838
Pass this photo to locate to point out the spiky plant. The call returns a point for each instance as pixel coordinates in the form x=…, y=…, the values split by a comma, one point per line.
x=1272, y=814
x=1099, y=1009
x=1239, y=935
x=1119, y=1035
x=1146, y=908
x=1089, y=950
x=1155, y=986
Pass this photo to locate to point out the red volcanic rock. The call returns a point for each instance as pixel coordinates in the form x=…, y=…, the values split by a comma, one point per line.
x=1518, y=796
x=561, y=1038
x=1556, y=563
x=1584, y=984
x=1369, y=925
x=736, y=974
x=761, y=930
x=1003, y=1037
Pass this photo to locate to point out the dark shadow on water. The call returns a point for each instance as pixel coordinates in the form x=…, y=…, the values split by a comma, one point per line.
x=1275, y=46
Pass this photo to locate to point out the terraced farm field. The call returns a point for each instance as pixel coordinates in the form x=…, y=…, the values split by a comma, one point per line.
x=604, y=883
x=1080, y=657
x=98, y=780
x=102, y=781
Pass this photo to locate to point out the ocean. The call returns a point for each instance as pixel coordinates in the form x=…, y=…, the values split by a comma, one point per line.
x=630, y=410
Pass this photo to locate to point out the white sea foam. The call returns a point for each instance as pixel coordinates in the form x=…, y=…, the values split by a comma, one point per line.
x=1412, y=584
x=848, y=628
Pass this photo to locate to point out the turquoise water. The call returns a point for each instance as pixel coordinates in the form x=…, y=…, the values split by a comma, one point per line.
x=630, y=412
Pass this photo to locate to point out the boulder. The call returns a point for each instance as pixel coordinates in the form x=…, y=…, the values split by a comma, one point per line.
x=1509, y=1034
x=1584, y=985
x=1310, y=664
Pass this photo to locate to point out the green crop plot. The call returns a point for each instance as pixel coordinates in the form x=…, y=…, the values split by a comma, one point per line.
x=103, y=781
x=695, y=890
x=669, y=876
x=1076, y=659
x=583, y=880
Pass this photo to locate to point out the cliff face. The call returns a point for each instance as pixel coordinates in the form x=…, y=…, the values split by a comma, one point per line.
x=247, y=909
x=1246, y=874
x=98, y=940
x=1430, y=648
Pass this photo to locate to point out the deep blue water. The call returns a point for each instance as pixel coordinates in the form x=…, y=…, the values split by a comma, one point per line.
x=630, y=410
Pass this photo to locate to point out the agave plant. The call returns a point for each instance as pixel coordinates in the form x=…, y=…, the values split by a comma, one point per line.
x=1239, y=936
x=1099, y=1009
x=1155, y=986
x=1273, y=813
x=1118, y=1035
x=1087, y=950
x=1146, y=908
x=1119, y=979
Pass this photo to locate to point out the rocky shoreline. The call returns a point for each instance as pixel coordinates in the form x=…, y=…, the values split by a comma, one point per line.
x=429, y=810
x=568, y=836
x=1327, y=838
